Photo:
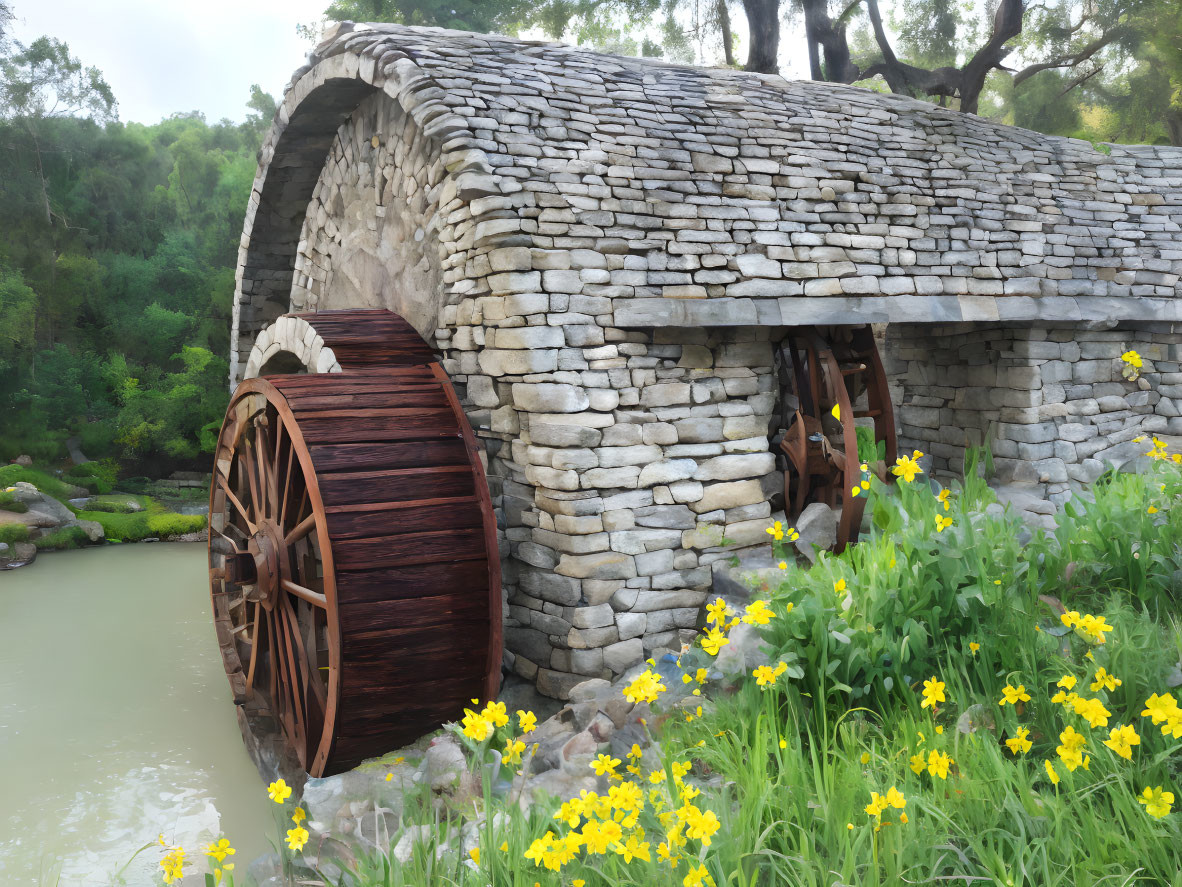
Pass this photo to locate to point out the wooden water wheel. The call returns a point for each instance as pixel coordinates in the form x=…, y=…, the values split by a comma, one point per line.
x=353, y=557
x=830, y=370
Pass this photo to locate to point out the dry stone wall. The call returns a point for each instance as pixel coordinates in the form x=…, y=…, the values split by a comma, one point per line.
x=605, y=250
x=1050, y=399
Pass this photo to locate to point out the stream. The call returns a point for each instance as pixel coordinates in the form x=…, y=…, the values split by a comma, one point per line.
x=116, y=722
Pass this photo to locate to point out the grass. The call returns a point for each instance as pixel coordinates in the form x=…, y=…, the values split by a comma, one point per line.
x=12, y=533
x=62, y=539
x=9, y=502
x=773, y=777
x=154, y=522
x=46, y=483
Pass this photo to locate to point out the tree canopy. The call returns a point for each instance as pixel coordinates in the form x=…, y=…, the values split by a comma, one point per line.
x=117, y=251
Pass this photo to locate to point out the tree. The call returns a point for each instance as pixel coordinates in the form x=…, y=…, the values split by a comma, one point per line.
x=482, y=16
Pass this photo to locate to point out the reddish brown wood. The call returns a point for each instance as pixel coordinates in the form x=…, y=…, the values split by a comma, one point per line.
x=827, y=367
x=370, y=611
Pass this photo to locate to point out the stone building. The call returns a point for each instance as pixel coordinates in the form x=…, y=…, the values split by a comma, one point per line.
x=605, y=252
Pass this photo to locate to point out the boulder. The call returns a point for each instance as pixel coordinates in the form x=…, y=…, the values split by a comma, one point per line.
x=817, y=526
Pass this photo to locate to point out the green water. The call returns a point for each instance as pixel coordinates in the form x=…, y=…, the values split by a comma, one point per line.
x=116, y=722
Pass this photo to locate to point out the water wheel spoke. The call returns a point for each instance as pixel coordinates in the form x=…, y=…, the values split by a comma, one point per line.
x=289, y=681
x=300, y=530
x=308, y=671
x=238, y=506
x=305, y=594
x=255, y=648
x=256, y=495
x=286, y=483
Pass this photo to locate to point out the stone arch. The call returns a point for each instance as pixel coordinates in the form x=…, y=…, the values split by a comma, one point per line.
x=290, y=342
x=370, y=237
x=321, y=99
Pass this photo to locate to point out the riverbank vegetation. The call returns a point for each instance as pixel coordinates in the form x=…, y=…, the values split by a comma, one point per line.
x=952, y=699
x=117, y=251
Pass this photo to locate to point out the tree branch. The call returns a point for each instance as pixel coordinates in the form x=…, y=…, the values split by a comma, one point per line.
x=1070, y=61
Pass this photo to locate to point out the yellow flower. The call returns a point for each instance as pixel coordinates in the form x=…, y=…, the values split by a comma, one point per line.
x=1151, y=509
x=389, y=777
x=1105, y=680
x=697, y=877
x=645, y=687
x=938, y=764
x=783, y=565
x=297, y=837
x=633, y=848
x=942, y=497
x=903, y=818
x=278, y=791
x=839, y=586
x=776, y=531
x=907, y=468
x=865, y=757
x=476, y=726
x=1157, y=803
x=504, y=848
x=221, y=849
x=1014, y=695
x=717, y=612
x=514, y=748
x=918, y=763
x=604, y=765
x=495, y=714
x=942, y=523
x=895, y=798
x=475, y=854
x=764, y=675
x=877, y=804
x=974, y=647
x=758, y=613
x=1071, y=749
x=783, y=742
x=713, y=641
x=1132, y=358
x=527, y=720
x=1054, y=777
x=933, y=692
x=173, y=865
x=1067, y=682
x=1122, y=739
x=1018, y=743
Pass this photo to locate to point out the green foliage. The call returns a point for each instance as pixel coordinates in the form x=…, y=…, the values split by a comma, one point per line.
x=13, y=533
x=155, y=522
x=117, y=253
x=46, y=483
x=482, y=16
x=97, y=477
x=62, y=539
x=9, y=502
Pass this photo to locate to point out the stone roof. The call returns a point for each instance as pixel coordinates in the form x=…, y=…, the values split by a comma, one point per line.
x=746, y=198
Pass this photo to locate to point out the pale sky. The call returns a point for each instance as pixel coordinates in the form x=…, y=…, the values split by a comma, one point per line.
x=168, y=56
x=165, y=56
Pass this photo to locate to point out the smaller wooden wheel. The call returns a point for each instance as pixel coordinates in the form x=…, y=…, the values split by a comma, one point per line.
x=831, y=370
x=274, y=589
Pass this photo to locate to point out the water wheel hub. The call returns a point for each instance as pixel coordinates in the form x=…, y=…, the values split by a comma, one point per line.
x=270, y=561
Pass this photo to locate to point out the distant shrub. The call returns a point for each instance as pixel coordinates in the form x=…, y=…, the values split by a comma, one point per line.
x=98, y=477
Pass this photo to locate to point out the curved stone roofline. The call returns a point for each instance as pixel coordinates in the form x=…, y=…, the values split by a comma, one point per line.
x=816, y=199
x=319, y=99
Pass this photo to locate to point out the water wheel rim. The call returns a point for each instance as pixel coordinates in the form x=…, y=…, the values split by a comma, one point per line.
x=275, y=608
